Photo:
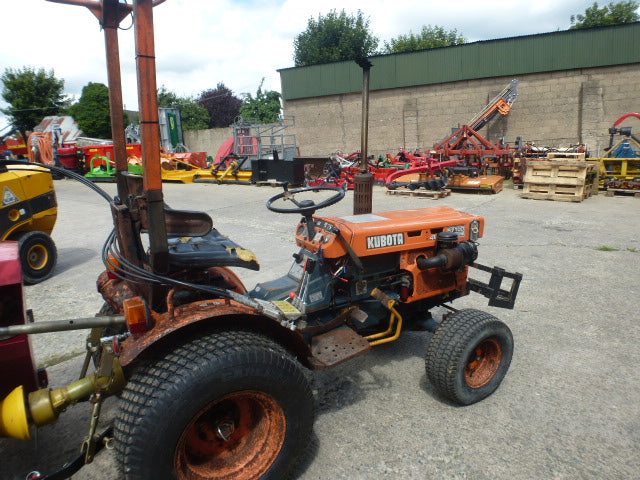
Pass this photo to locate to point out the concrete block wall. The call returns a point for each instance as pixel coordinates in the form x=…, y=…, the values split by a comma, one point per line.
x=207, y=140
x=556, y=109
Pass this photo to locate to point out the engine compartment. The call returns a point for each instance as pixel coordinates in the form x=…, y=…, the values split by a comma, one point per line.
x=343, y=259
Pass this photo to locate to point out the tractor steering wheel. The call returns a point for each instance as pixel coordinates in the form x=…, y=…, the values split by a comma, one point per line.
x=305, y=207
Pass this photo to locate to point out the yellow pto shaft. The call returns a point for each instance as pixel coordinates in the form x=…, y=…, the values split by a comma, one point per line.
x=43, y=406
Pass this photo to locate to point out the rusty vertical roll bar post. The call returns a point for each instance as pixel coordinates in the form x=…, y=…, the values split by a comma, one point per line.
x=363, y=188
x=364, y=130
x=149, y=122
x=110, y=22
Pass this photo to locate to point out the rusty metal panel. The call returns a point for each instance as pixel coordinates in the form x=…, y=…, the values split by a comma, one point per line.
x=335, y=347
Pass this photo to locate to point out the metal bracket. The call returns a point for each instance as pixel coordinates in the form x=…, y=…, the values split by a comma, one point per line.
x=90, y=444
x=497, y=296
x=76, y=464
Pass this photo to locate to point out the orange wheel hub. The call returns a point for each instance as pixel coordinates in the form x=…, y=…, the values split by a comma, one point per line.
x=483, y=363
x=236, y=437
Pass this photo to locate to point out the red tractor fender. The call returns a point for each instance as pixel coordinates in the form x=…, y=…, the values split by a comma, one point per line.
x=206, y=315
x=625, y=116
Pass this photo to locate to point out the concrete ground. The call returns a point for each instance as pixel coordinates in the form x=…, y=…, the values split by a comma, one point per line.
x=569, y=408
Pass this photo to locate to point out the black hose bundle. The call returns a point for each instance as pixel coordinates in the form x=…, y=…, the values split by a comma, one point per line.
x=126, y=270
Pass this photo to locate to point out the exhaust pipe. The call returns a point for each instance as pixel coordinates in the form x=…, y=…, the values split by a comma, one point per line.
x=44, y=406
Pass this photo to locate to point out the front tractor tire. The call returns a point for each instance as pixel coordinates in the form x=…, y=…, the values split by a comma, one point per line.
x=229, y=405
x=468, y=356
x=38, y=256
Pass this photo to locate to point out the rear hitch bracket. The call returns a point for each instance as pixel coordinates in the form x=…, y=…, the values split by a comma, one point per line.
x=497, y=296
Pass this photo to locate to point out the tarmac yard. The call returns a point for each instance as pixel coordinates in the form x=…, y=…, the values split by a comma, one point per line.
x=569, y=408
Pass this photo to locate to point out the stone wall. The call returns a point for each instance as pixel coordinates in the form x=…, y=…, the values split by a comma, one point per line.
x=207, y=140
x=554, y=109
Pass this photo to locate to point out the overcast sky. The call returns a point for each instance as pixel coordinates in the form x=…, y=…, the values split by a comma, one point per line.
x=200, y=43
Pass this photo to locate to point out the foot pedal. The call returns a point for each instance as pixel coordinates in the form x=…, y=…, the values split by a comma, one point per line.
x=336, y=347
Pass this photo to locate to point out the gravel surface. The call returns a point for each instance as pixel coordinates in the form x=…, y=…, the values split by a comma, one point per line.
x=569, y=408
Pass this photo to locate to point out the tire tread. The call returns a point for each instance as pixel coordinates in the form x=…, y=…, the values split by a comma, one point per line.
x=151, y=384
x=448, y=345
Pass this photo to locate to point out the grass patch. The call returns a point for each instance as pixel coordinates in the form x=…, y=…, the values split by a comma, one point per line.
x=605, y=248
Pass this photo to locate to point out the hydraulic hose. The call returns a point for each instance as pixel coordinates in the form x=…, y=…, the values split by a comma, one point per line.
x=41, y=147
x=60, y=171
x=133, y=273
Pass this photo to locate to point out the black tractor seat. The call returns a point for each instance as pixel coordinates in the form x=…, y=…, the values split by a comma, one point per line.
x=210, y=250
x=192, y=242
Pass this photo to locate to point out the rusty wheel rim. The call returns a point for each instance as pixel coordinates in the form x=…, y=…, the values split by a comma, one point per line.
x=236, y=437
x=37, y=257
x=483, y=363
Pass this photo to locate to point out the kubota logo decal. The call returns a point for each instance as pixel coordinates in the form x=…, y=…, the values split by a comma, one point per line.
x=390, y=240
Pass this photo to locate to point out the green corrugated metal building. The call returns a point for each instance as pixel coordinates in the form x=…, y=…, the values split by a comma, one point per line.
x=546, y=52
x=600, y=55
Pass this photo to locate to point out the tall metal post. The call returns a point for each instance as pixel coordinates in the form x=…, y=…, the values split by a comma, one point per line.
x=363, y=188
x=150, y=129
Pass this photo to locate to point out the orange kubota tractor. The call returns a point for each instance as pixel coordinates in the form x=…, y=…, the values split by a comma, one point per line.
x=212, y=377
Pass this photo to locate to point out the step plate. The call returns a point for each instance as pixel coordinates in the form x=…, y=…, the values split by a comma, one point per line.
x=336, y=347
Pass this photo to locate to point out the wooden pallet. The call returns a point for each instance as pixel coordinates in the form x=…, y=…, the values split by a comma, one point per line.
x=611, y=192
x=560, y=180
x=578, y=157
x=562, y=193
x=435, y=194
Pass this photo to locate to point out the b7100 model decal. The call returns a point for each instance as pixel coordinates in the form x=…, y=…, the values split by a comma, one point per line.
x=390, y=240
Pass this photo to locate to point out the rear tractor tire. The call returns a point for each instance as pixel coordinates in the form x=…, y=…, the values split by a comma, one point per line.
x=229, y=405
x=468, y=356
x=38, y=256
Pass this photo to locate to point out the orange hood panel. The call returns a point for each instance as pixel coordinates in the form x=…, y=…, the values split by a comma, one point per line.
x=387, y=232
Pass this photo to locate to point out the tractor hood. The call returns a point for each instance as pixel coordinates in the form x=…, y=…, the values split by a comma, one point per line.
x=387, y=232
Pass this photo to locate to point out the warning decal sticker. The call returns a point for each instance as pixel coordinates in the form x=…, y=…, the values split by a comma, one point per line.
x=9, y=197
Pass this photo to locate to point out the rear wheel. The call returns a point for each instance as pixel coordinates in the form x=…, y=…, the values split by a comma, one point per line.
x=469, y=356
x=37, y=256
x=230, y=405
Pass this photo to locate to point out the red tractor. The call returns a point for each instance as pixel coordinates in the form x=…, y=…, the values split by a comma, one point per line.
x=213, y=378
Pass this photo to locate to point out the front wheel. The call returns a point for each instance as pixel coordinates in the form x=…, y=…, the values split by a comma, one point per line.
x=469, y=355
x=230, y=405
x=38, y=256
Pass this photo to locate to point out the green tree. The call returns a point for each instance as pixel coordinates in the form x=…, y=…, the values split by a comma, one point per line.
x=334, y=37
x=429, y=37
x=223, y=106
x=92, y=111
x=265, y=106
x=612, y=14
x=166, y=98
x=194, y=116
x=31, y=95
